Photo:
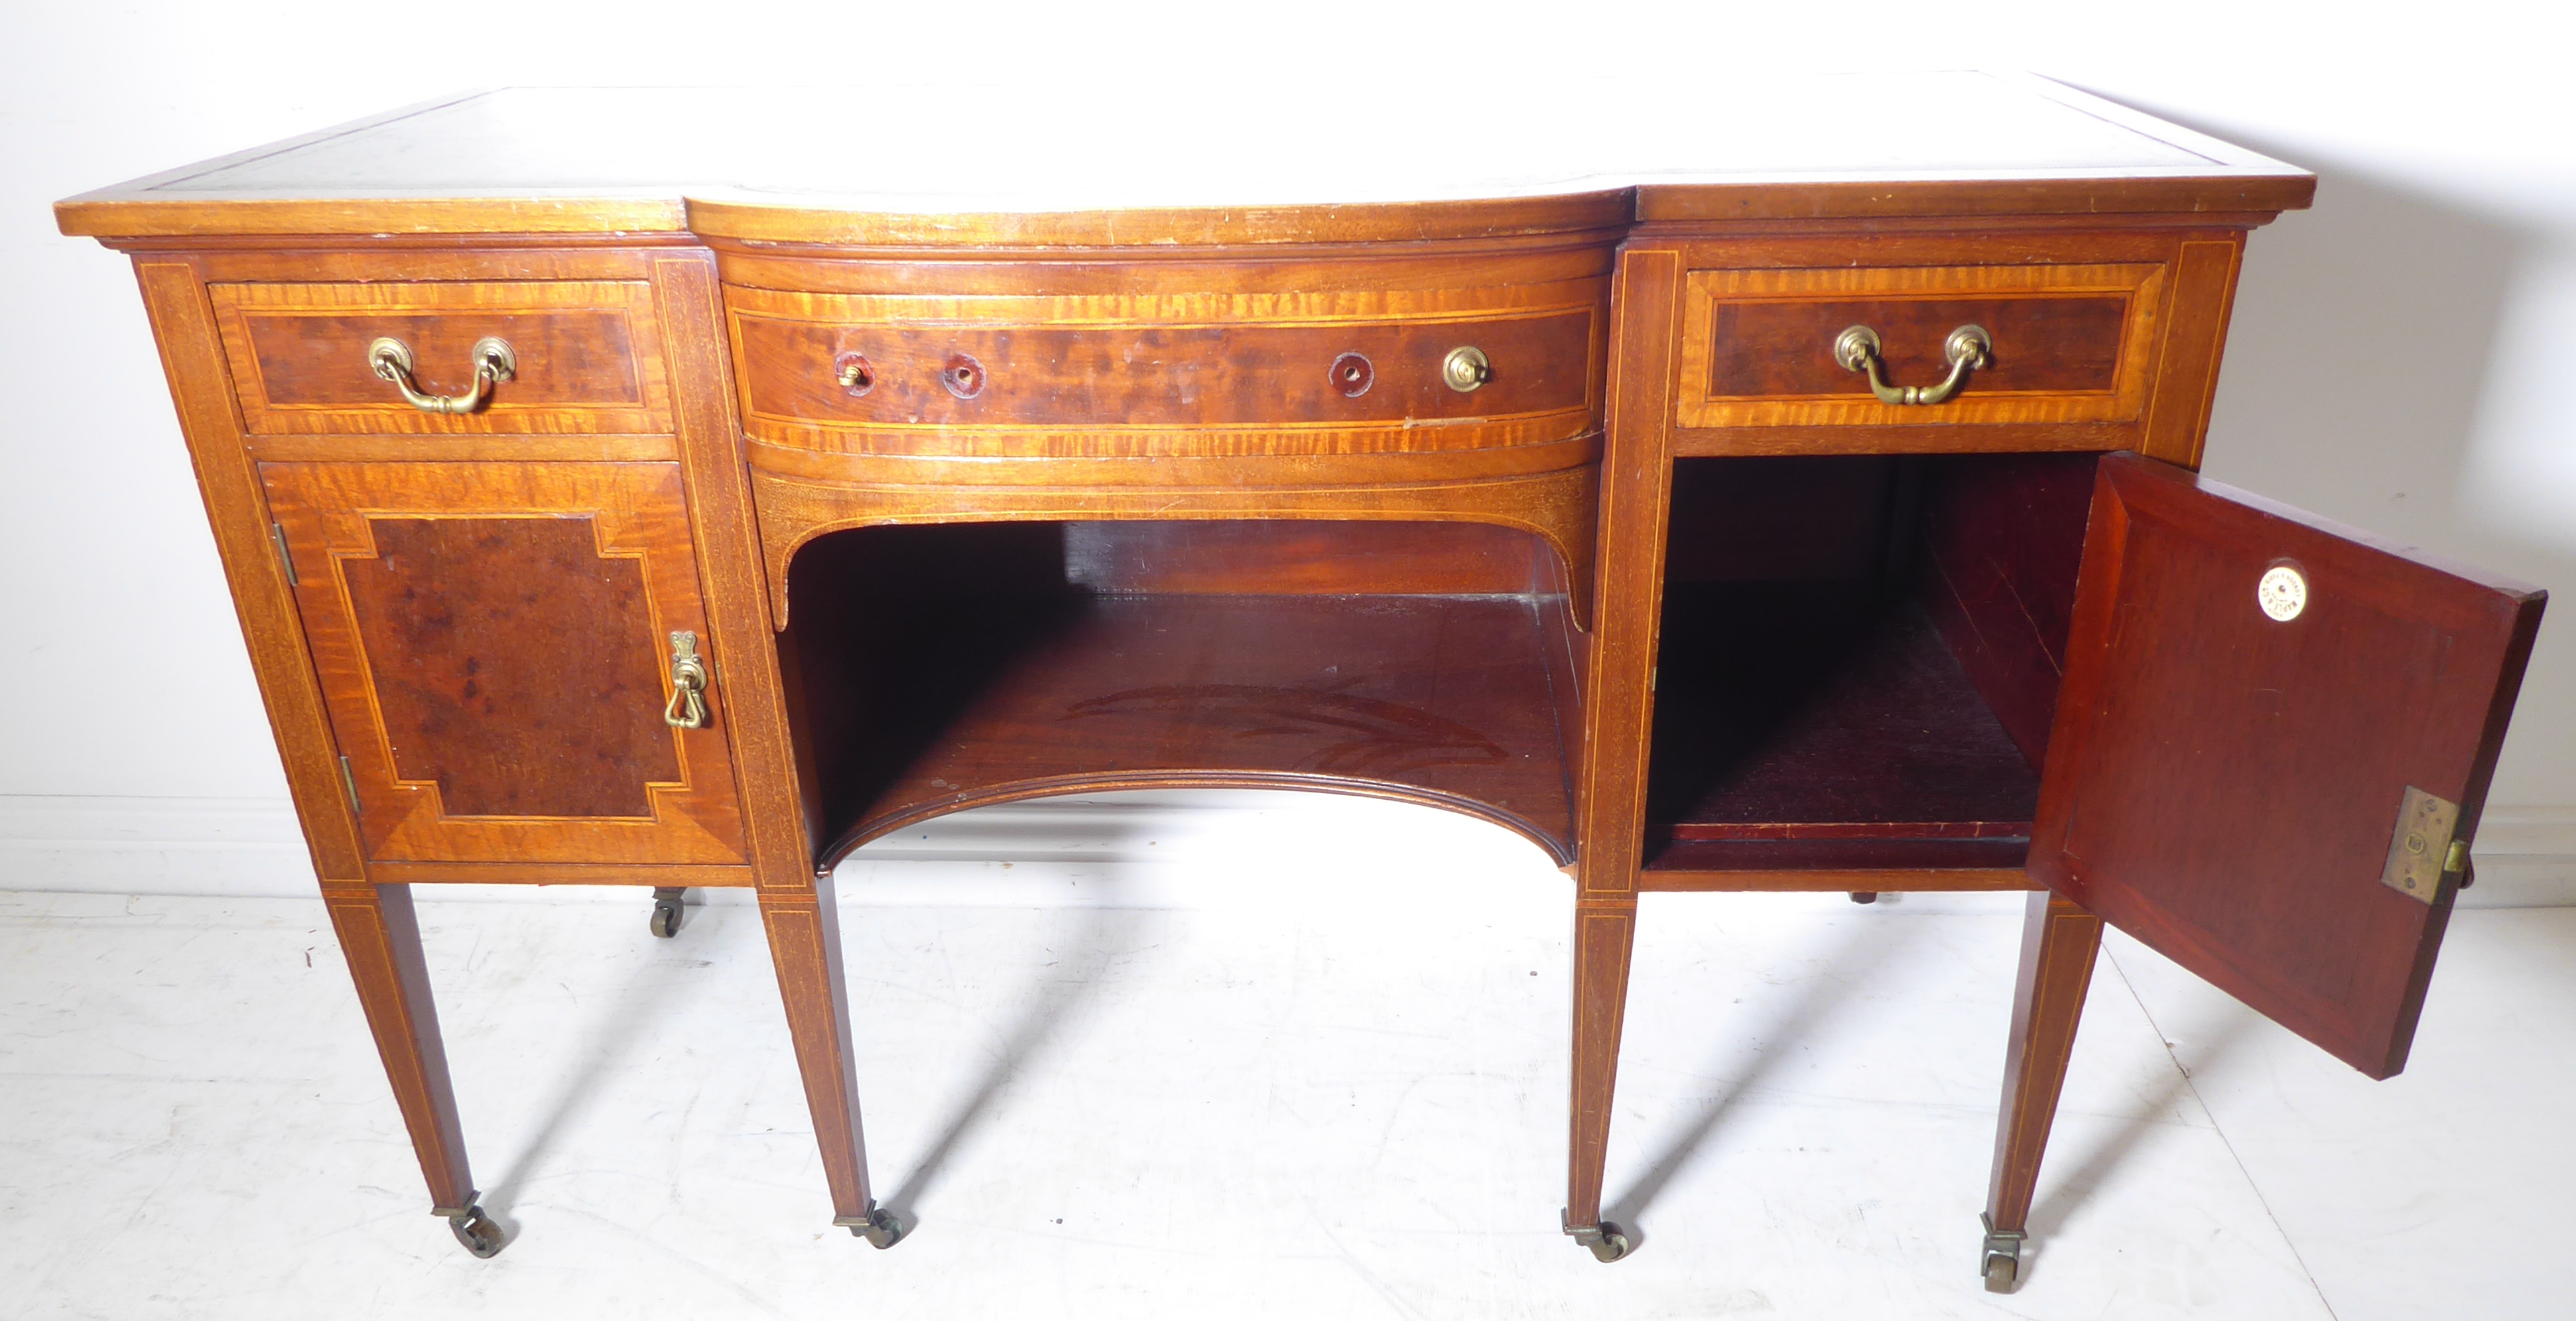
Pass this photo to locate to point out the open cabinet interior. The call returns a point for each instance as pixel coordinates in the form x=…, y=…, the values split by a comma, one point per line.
x=945, y=665
x=1860, y=659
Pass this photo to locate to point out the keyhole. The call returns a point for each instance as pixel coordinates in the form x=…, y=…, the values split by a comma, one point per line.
x=1352, y=375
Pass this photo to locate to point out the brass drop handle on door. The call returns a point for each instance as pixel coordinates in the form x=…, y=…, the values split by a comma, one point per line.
x=1857, y=349
x=494, y=363
x=688, y=708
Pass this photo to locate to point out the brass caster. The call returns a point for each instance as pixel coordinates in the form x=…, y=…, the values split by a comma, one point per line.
x=1606, y=1241
x=878, y=1227
x=666, y=910
x=475, y=1230
x=2003, y=1258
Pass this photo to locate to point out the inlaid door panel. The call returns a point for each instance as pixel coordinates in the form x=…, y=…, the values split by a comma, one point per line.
x=2271, y=747
x=494, y=644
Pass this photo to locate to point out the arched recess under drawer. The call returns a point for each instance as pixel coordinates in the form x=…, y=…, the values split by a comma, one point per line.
x=954, y=665
x=1560, y=507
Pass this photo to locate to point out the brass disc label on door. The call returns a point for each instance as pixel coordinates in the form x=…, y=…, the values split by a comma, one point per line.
x=2283, y=592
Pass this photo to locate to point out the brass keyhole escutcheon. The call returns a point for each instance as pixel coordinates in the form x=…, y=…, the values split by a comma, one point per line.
x=1465, y=368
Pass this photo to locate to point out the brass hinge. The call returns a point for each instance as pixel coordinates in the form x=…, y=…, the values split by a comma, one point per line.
x=349, y=781
x=278, y=531
x=2421, y=851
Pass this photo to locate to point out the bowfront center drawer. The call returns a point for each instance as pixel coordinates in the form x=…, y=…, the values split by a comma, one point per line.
x=572, y=356
x=1847, y=349
x=1156, y=376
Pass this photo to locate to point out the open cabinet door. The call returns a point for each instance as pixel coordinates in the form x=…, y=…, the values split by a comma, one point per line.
x=2271, y=733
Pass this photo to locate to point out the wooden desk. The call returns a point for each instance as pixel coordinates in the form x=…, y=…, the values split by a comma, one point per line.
x=1780, y=487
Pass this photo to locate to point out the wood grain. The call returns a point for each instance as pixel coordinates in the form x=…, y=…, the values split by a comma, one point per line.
x=2204, y=292
x=380, y=937
x=1827, y=868
x=1605, y=935
x=2251, y=851
x=2071, y=343
x=1174, y=373
x=1816, y=710
x=588, y=355
x=1637, y=474
x=2058, y=945
x=1016, y=690
x=2003, y=537
x=1303, y=557
x=374, y=626
x=1558, y=506
x=1176, y=379
x=237, y=510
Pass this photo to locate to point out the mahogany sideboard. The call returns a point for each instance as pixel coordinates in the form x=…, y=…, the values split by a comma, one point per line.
x=1786, y=486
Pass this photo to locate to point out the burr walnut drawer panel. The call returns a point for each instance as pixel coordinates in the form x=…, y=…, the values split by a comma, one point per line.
x=2067, y=344
x=585, y=357
x=1167, y=375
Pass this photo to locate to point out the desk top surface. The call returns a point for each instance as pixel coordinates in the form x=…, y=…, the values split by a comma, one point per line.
x=951, y=164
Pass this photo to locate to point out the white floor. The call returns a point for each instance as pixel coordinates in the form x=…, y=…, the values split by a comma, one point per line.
x=1316, y=1082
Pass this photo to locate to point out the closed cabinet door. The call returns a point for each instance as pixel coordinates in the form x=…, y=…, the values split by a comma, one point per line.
x=2271, y=747
x=510, y=653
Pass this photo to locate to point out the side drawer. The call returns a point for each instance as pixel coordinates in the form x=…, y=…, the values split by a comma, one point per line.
x=586, y=357
x=2069, y=344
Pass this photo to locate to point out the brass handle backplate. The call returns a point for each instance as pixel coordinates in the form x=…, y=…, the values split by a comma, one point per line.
x=1857, y=349
x=688, y=708
x=494, y=363
x=1466, y=368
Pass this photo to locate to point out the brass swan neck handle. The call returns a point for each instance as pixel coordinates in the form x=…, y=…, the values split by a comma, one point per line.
x=1857, y=349
x=494, y=363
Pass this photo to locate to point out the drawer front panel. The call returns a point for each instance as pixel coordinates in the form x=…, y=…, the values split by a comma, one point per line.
x=2070, y=344
x=1127, y=376
x=493, y=644
x=587, y=359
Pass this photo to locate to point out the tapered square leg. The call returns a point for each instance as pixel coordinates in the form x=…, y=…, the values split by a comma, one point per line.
x=805, y=945
x=2058, y=944
x=380, y=937
x=1604, y=935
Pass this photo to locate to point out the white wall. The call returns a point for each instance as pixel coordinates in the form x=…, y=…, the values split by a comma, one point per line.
x=2396, y=360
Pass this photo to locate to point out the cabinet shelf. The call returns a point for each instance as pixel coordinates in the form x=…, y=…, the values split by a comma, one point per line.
x=1809, y=724
x=1449, y=700
x=1859, y=659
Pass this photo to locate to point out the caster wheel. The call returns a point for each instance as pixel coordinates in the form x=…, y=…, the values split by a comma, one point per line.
x=476, y=1231
x=880, y=1229
x=666, y=909
x=1607, y=1243
x=2003, y=1257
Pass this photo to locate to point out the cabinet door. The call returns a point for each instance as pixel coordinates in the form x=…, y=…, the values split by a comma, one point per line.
x=2271, y=732
x=493, y=643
